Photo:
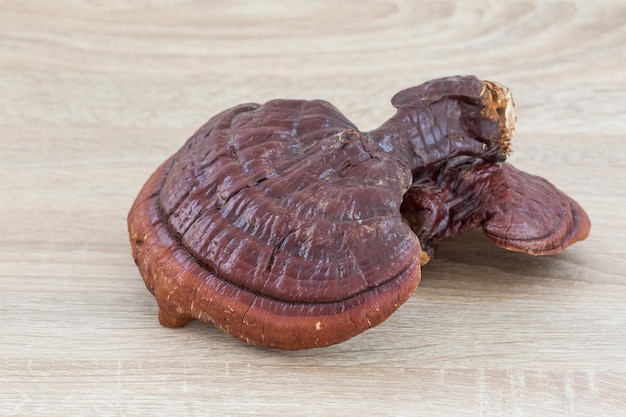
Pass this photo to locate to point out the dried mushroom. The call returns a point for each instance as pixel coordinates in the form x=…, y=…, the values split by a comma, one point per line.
x=287, y=227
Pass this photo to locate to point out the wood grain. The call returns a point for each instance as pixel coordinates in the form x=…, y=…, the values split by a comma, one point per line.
x=95, y=94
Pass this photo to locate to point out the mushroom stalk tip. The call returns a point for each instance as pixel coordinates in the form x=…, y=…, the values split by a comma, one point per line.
x=502, y=103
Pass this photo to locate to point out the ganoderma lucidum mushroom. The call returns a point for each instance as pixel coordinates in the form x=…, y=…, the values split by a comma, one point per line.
x=287, y=227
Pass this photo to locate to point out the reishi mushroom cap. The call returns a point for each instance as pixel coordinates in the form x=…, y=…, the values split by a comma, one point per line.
x=278, y=224
x=287, y=227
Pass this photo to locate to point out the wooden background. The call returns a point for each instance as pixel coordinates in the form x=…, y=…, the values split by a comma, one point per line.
x=94, y=94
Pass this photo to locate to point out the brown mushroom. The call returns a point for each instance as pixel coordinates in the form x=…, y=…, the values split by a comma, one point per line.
x=286, y=227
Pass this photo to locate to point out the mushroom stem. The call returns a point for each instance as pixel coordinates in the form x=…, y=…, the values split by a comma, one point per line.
x=448, y=117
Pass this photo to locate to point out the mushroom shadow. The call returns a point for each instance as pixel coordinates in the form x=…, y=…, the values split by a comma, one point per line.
x=473, y=259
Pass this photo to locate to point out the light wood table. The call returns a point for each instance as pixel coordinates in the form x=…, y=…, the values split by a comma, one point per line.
x=95, y=94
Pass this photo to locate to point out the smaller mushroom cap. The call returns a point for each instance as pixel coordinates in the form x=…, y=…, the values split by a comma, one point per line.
x=517, y=211
x=526, y=213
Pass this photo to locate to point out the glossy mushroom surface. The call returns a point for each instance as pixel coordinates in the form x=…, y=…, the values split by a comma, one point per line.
x=517, y=211
x=287, y=227
x=278, y=224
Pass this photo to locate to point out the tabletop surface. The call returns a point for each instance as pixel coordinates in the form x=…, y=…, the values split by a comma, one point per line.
x=96, y=94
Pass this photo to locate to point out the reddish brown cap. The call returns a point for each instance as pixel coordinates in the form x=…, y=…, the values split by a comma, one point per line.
x=278, y=224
